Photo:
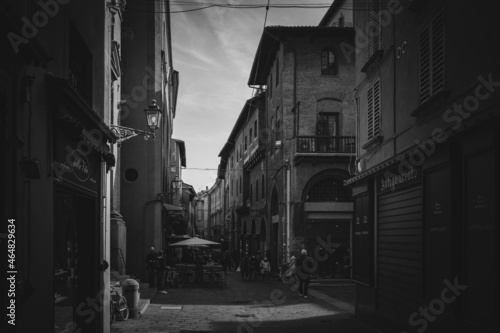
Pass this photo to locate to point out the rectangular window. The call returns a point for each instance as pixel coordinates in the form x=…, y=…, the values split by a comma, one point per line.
x=250, y=135
x=375, y=28
x=432, y=59
x=374, y=110
x=327, y=124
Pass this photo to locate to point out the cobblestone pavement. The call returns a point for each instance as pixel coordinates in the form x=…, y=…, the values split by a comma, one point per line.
x=246, y=307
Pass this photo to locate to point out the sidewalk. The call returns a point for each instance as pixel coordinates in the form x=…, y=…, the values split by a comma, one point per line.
x=243, y=306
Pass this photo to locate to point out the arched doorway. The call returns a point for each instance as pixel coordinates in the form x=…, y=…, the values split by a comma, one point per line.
x=328, y=209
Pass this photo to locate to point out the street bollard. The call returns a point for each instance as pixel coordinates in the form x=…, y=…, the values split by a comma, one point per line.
x=130, y=289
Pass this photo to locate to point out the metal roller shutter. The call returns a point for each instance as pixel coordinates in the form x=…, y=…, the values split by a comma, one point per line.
x=400, y=252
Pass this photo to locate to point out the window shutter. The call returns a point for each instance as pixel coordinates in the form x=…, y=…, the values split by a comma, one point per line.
x=375, y=32
x=438, y=54
x=370, y=113
x=432, y=59
x=425, y=66
x=374, y=110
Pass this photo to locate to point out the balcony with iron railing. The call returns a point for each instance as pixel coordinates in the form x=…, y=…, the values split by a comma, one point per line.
x=331, y=145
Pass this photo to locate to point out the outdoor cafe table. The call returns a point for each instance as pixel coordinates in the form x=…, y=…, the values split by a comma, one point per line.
x=214, y=275
x=186, y=272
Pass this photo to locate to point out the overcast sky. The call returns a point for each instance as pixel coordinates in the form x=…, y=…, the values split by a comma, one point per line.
x=213, y=51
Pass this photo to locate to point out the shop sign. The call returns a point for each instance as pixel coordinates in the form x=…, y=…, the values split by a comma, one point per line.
x=77, y=166
x=393, y=180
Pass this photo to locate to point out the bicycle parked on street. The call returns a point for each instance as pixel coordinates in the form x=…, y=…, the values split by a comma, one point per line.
x=118, y=304
x=173, y=278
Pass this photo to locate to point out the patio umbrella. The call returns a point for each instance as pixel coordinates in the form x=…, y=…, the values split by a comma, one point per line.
x=195, y=241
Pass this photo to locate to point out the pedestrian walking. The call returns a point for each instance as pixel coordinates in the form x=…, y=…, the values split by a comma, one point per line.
x=304, y=271
x=151, y=264
x=244, y=267
x=161, y=267
x=265, y=269
x=253, y=267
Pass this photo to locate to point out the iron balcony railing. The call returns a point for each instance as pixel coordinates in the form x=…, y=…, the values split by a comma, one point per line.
x=326, y=144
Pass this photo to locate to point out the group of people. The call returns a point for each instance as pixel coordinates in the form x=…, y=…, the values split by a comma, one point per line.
x=249, y=266
x=254, y=265
x=300, y=268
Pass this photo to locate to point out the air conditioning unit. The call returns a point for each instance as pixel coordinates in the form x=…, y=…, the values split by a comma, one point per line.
x=277, y=146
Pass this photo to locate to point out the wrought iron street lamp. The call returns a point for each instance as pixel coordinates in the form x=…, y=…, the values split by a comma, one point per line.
x=153, y=118
x=176, y=185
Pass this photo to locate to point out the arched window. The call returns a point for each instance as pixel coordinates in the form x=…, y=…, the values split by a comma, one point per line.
x=275, y=209
x=251, y=193
x=330, y=188
x=262, y=184
x=255, y=128
x=328, y=62
x=257, y=190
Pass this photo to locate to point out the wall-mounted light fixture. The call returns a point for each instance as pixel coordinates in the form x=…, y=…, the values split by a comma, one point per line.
x=176, y=185
x=153, y=117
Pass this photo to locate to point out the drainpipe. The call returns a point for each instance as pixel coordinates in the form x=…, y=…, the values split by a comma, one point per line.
x=288, y=211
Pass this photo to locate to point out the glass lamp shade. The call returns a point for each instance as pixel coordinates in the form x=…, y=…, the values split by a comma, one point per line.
x=153, y=116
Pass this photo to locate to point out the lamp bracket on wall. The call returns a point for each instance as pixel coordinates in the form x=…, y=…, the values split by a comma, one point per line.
x=125, y=133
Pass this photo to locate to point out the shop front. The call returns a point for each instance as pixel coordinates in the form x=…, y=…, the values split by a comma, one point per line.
x=80, y=160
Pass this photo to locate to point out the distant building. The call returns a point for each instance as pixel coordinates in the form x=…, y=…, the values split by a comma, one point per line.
x=146, y=182
x=310, y=141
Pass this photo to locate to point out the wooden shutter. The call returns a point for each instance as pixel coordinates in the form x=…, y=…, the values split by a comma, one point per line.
x=425, y=65
x=375, y=32
x=374, y=110
x=432, y=58
x=438, y=54
x=370, y=113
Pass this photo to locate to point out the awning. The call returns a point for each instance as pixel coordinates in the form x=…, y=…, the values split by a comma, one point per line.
x=172, y=207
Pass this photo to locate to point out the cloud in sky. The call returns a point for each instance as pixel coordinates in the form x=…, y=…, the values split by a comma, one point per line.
x=213, y=50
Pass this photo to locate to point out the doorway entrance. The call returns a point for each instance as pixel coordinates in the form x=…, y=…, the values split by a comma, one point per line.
x=76, y=262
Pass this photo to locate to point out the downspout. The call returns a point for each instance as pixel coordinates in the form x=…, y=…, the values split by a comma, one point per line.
x=288, y=212
x=394, y=82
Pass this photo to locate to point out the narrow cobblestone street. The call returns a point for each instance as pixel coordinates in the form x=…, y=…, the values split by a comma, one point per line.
x=244, y=306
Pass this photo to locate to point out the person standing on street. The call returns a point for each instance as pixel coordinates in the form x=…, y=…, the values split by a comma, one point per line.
x=253, y=267
x=244, y=267
x=304, y=273
x=160, y=273
x=151, y=263
x=265, y=269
